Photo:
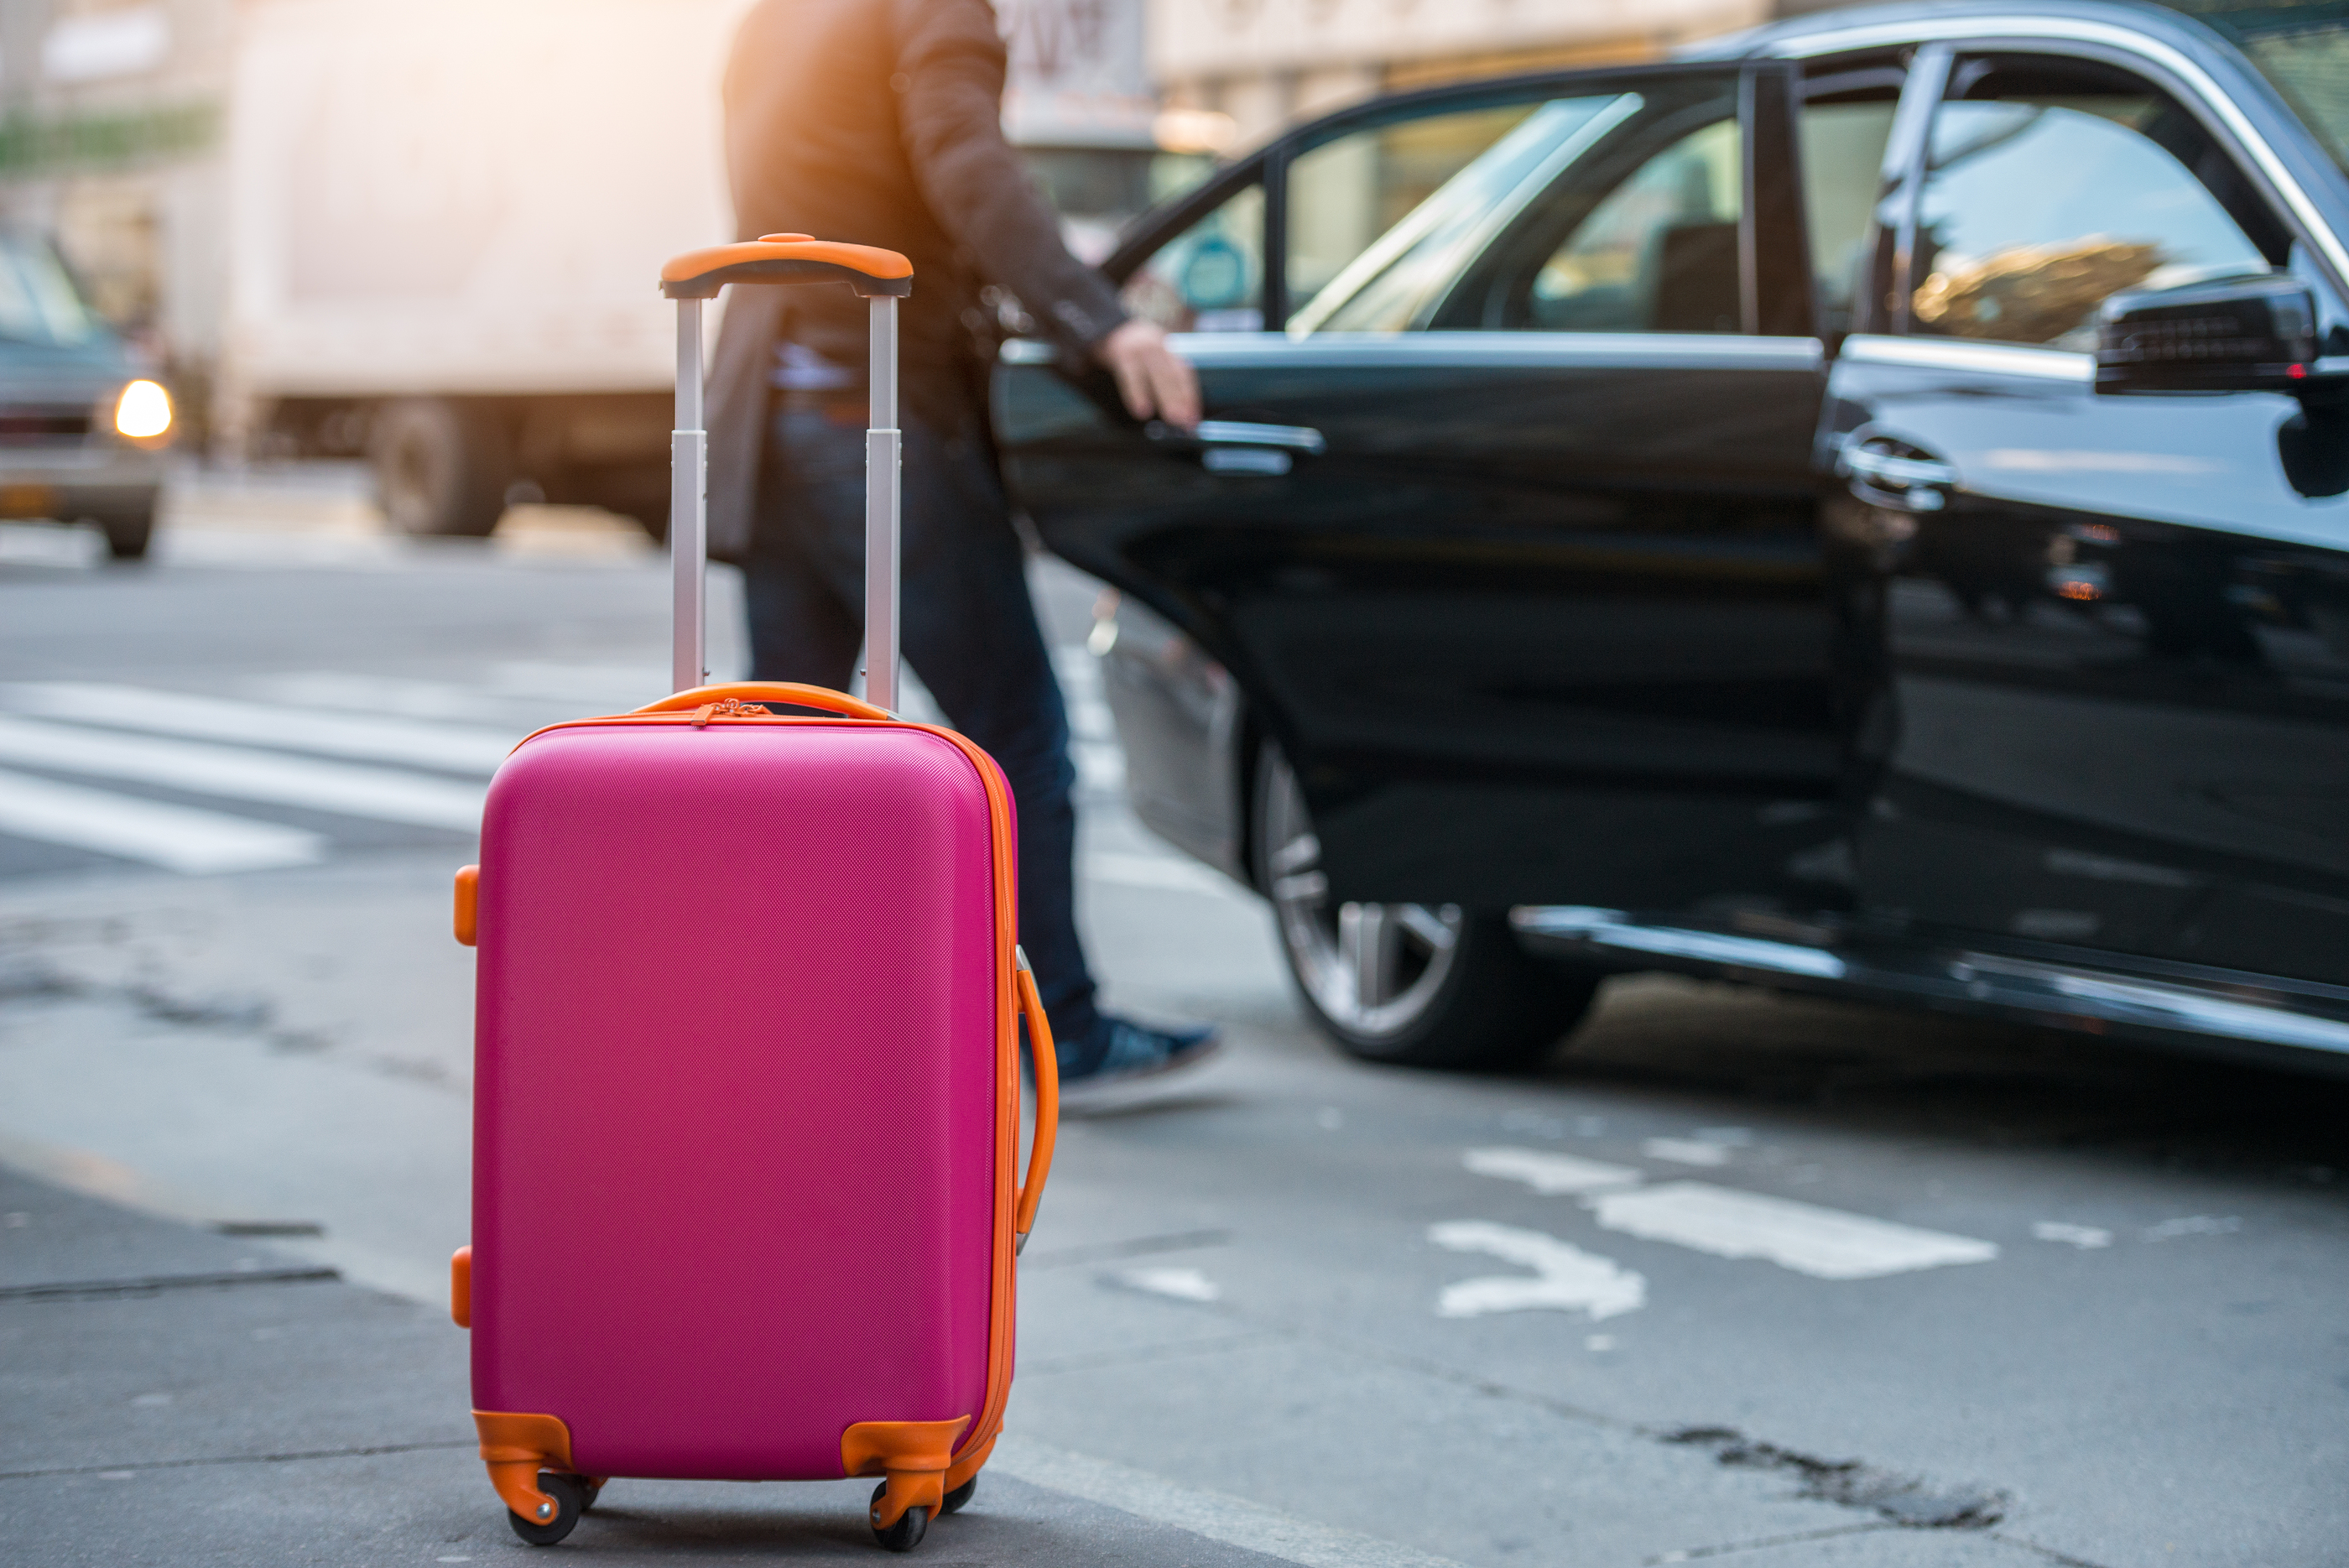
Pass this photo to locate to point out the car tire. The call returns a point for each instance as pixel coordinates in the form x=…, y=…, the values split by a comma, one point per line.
x=1415, y=985
x=128, y=534
x=440, y=468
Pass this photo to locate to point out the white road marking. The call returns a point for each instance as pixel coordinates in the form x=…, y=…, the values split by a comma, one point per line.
x=342, y=788
x=346, y=691
x=2194, y=1225
x=1565, y=1278
x=1183, y=1285
x=1230, y=1520
x=1824, y=1243
x=1685, y=1151
x=456, y=748
x=2081, y=1236
x=1549, y=1173
x=177, y=837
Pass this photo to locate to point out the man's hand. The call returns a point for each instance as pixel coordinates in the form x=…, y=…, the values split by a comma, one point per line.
x=1156, y=381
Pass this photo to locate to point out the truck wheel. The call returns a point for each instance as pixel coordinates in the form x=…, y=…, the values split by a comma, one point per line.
x=128, y=534
x=1421, y=985
x=439, y=467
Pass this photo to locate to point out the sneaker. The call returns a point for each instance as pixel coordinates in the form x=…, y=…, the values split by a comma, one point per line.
x=1135, y=1053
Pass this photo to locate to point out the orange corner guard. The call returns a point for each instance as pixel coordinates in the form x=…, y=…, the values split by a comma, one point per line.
x=461, y=1286
x=469, y=904
x=515, y=1448
x=914, y=1455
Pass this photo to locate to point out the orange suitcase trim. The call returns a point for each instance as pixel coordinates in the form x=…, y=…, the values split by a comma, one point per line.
x=516, y=1448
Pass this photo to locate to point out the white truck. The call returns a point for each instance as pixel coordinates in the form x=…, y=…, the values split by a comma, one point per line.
x=446, y=217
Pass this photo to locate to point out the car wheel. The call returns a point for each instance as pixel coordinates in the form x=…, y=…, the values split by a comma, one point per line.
x=1423, y=985
x=439, y=468
x=129, y=534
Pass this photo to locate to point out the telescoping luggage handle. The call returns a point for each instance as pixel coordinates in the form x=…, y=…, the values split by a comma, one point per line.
x=882, y=277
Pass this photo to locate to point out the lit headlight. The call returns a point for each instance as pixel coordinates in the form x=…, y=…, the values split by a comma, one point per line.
x=144, y=411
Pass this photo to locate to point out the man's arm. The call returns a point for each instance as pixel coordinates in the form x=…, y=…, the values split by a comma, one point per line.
x=949, y=84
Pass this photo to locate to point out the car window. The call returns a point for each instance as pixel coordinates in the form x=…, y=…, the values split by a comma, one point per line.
x=38, y=302
x=1843, y=142
x=1379, y=218
x=1658, y=253
x=1209, y=278
x=2051, y=184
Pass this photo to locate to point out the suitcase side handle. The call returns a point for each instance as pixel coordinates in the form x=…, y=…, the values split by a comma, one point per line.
x=790, y=691
x=1048, y=1103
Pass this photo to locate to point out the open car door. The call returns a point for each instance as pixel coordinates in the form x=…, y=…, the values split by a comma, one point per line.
x=1503, y=514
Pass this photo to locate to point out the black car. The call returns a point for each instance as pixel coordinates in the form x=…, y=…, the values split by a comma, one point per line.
x=1863, y=507
x=83, y=426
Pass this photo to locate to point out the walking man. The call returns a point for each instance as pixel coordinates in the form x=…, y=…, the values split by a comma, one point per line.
x=880, y=122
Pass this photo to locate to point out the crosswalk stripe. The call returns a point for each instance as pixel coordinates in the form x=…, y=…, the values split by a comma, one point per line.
x=177, y=837
x=343, y=788
x=457, y=748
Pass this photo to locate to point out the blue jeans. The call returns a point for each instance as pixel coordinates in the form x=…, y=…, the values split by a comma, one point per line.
x=967, y=627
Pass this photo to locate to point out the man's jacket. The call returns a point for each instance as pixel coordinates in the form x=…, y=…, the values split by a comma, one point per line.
x=879, y=122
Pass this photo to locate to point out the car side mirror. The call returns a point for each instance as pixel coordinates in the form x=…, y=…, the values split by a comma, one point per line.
x=2228, y=334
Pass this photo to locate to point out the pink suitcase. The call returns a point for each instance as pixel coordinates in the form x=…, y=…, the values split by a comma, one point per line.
x=747, y=1079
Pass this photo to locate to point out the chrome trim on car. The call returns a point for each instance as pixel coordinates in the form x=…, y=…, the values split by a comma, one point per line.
x=1991, y=358
x=1983, y=31
x=1989, y=981
x=1027, y=351
x=1613, y=929
x=1502, y=350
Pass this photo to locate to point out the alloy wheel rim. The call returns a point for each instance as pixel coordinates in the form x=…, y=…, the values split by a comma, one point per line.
x=1373, y=969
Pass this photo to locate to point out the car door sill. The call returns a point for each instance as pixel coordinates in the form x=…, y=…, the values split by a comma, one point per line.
x=2251, y=1017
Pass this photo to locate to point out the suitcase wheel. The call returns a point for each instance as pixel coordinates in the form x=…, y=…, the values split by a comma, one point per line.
x=902, y=1536
x=570, y=1495
x=956, y=1497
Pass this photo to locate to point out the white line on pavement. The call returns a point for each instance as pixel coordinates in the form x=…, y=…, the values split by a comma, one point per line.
x=382, y=739
x=1685, y=1151
x=1183, y=1285
x=1233, y=1520
x=1549, y=1173
x=1823, y=1243
x=177, y=837
x=1564, y=1278
x=339, y=787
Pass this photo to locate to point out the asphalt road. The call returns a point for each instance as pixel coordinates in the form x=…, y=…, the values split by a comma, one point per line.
x=1768, y=1280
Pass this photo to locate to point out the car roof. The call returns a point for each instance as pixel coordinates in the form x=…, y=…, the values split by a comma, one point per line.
x=1885, y=26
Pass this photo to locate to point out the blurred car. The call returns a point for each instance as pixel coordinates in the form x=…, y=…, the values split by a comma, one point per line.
x=1861, y=507
x=82, y=426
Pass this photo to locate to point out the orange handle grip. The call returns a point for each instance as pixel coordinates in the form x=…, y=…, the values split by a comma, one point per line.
x=786, y=258
x=1048, y=1105
x=790, y=692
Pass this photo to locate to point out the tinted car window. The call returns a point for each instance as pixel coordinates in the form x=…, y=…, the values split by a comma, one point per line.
x=1658, y=253
x=38, y=303
x=1209, y=278
x=2052, y=184
x=1843, y=146
x=2303, y=48
x=1629, y=221
x=1381, y=219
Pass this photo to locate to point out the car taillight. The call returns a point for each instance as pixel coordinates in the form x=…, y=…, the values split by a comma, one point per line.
x=143, y=411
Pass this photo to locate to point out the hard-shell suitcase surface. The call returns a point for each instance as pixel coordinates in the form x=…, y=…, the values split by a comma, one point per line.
x=747, y=1081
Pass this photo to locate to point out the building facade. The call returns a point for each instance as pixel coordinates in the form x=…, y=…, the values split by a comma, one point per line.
x=1266, y=63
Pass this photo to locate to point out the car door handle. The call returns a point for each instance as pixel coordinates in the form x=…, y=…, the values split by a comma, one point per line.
x=1887, y=479
x=1239, y=432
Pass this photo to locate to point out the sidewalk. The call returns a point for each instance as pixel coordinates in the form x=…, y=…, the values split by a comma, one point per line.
x=173, y=1396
